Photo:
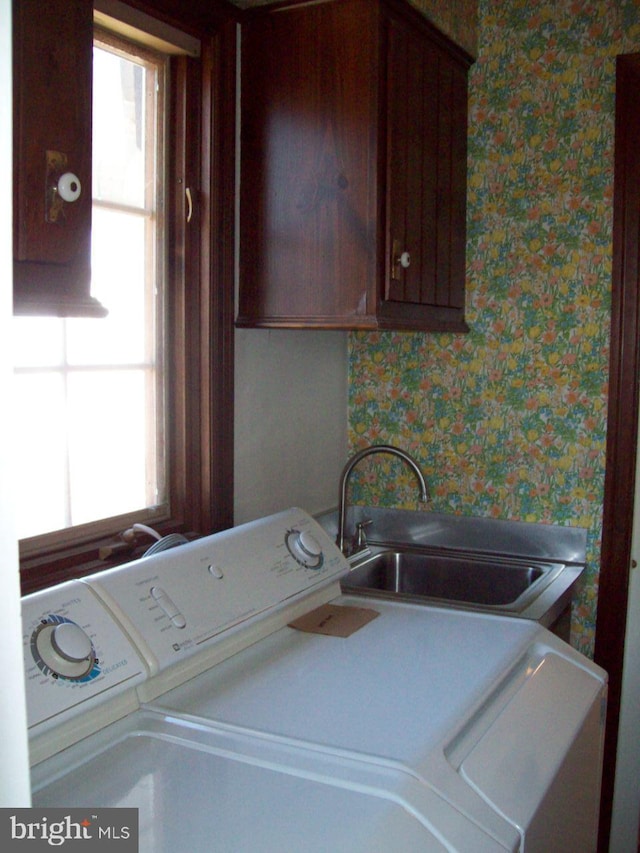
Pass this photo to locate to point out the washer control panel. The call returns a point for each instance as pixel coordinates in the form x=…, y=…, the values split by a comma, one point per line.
x=175, y=603
x=75, y=654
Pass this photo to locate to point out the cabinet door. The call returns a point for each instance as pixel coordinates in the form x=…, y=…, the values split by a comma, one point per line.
x=308, y=203
x=426, y=182
x=53, y=45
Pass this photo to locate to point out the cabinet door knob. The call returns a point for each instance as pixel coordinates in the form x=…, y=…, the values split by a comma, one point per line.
x=69, y=187
x=399, y=261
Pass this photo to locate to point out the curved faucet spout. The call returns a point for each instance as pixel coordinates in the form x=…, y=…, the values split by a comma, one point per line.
x=351, y=464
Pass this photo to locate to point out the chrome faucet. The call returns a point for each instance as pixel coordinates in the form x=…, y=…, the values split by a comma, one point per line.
x=344, y=480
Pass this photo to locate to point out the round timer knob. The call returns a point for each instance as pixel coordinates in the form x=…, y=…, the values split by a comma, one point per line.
x=305, y=549
x=63, y=650
x=71, y=642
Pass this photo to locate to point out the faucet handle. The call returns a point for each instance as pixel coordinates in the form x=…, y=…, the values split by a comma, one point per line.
x=360, y=539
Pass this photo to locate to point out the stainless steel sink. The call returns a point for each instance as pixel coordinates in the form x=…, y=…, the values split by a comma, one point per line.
x=471, y=579
x=467, y=562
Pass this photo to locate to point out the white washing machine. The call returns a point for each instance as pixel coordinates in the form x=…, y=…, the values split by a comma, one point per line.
x=177, y=685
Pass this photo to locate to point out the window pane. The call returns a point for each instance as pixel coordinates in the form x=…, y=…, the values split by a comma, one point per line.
x=41, y=490
x=108, y=459
x=118, y=249
x=119, y=129
x=38, y=341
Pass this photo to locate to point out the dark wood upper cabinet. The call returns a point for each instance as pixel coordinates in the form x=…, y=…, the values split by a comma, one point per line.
x=353, y=168
x=53, y=44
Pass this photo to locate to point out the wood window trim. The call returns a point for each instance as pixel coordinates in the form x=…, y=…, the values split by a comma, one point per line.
x=201, y=300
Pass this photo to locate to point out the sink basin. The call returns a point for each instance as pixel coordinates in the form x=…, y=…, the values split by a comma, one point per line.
x=468, y=579
x=508, y=568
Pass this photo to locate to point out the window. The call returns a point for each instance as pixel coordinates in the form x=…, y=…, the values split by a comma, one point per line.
x=99, y=451
x=130, y=417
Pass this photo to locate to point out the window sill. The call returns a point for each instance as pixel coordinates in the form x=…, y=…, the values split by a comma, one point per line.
x=38, y=571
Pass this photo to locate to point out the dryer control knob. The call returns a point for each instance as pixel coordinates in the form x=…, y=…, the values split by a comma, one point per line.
x=305, y=549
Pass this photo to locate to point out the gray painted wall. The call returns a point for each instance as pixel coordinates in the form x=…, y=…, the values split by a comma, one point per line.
x=290, y=420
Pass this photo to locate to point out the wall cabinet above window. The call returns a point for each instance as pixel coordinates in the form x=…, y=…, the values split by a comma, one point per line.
x=353, y=169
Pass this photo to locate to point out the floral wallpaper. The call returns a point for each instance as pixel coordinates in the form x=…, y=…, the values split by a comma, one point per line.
x=510, y=419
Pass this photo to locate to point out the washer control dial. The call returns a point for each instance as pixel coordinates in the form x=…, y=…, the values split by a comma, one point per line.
x=71, y=642
x=305, y=549
x=62, y=649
